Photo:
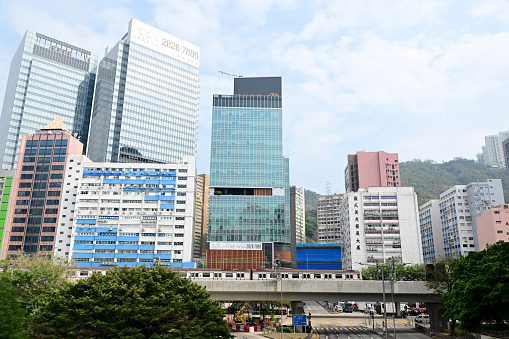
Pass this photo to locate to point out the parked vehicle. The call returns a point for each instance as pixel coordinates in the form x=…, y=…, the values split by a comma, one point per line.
x=348, y=308
x=422, y=318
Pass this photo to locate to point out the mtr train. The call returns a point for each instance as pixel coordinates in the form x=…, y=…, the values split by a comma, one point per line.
x=209, y=274
x=265, y=274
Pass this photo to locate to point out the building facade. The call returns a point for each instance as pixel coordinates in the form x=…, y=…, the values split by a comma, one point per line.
x=481, y=197
x=297, y=220
x=319, y=257
x=48, y=78
x=372, y=169
x=453, y=229
x=493, y=151
x=38, y=194
x=146, y=99
x=6, y=184
x=493, y=226
x=431, y=231
x=380, y=224
x=249, y=206
x=201, y=215
x=328, y=218
x=128, y=214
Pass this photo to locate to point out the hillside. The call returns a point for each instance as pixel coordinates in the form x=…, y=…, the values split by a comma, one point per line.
x=429, y=178
x=310, y=199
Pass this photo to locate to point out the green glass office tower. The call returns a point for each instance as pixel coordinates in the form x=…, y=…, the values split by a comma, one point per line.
x=48, y=78
x=249, y=180
x=146, y=99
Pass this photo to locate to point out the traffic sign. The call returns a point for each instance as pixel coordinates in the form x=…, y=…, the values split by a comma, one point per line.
x=300, y=320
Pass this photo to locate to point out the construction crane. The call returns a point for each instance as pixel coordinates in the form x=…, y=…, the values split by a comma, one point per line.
x=231, y=74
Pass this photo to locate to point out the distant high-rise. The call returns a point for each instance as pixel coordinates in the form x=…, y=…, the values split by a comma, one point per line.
x=249, y=207
x=146, y=99
x=328, y=218
x=48, y=78
x=297, y=220
x=34, y=212
x=201, y=215
x=493, y=151
x=493, y=225
x=450, y=229
x=372, y=169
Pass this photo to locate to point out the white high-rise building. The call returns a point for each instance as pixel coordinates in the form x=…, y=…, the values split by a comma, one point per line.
x=452, y=228
x=127, y=214
x=380, y=224
x=493, y=151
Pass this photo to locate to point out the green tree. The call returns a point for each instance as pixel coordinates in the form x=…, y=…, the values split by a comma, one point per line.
x=403, y=272
x=480, y=291
x=311, y=226
x=33, y=276
x=440, y=279
x=12, y=316
x=131, y=303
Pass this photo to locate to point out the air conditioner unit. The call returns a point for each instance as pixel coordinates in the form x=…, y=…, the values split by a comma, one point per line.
x=143, y=230
x=120, y=229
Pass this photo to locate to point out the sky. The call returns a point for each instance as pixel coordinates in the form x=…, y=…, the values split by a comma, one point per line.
x=424, y=79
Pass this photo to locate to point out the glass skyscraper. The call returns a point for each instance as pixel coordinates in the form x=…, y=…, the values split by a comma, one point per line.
x=146, y=99
x=249, y=177
x=48, y=79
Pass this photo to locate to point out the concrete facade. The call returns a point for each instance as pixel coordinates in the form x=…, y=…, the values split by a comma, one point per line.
x=201, y=216
x=454, y=225
x=431, y=231
x=481, y=197
x=372, y=169
x=493, y=151
x=380, y=223
x=128, y=214
x=328, y=218
x=493, y=226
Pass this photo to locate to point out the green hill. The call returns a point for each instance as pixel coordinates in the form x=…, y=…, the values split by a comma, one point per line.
x=429, y=178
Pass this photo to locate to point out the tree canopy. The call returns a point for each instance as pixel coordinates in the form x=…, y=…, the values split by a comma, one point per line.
x=403, y=272
x=131, y=303
x=480, y=291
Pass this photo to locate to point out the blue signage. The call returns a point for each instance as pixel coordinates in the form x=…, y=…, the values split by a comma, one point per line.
x=300, y=320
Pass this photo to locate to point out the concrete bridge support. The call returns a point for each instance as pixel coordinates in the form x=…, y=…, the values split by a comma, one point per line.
x=437, y=320
x=297, y=308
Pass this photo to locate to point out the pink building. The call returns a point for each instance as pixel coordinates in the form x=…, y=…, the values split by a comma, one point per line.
x=372, y=169
x=493, y=226
x=36, y=198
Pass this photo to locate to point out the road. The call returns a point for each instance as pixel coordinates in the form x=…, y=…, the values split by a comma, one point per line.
x=354, y=325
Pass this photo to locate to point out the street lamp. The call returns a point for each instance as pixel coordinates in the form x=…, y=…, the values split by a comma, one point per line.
x=383, y=293
x=280, y=276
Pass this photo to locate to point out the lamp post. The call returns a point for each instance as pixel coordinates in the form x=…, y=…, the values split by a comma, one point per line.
x=280, y=276
x=383, y=293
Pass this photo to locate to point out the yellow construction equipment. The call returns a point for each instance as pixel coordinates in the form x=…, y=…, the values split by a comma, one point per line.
x=240, y=318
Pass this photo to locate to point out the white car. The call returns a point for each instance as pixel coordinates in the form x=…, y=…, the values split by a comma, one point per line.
x=422, y=318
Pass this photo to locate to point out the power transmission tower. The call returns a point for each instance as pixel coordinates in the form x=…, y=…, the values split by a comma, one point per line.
x=328, y=188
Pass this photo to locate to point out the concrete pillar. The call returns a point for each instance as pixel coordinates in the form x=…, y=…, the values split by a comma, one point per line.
x=397, y=305
x=297, y=308
x=437, y=320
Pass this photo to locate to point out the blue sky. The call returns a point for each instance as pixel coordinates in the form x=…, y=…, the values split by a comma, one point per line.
x=426, y=79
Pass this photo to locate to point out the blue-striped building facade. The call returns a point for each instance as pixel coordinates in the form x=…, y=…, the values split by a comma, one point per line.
x=129, y=214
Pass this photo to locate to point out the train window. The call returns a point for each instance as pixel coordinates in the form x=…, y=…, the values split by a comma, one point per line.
x=241, y=275
x=295, y=276
x=206, y=275
x=217, y=275
x=339, y=276
x=317, y=276
x=229, y=275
